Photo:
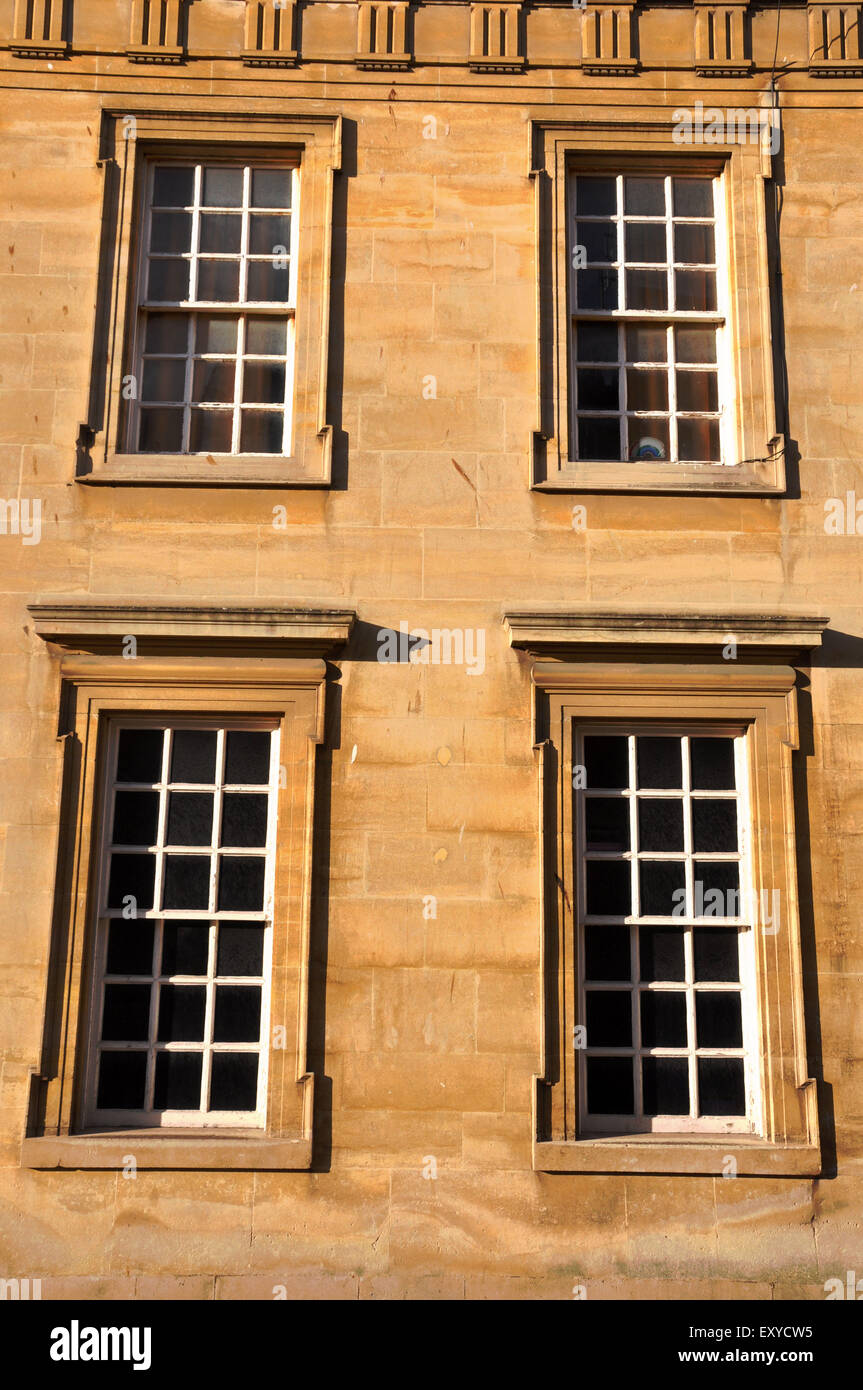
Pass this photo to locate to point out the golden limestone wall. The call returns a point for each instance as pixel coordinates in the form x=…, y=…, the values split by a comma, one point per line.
x=425, y=1033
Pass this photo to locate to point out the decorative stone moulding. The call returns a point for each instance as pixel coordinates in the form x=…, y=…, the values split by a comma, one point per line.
x=157, y=31
x=269, y=39
x=721, y=40
x=834, y=41
x=608, y=39
x=39, y=29
x=382, y=34
x=495, y=38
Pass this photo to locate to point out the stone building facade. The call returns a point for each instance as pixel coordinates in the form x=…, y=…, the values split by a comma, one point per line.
x=432, y=828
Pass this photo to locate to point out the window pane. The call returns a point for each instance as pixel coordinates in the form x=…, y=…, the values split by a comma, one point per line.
x=606, y=951
x=186, y=883
x=606, y=759
x=213, y=382
x=663, y=1018
x=264, y=382
x=694, y=244
x=646, y=289
x=266, y=336
x=166, y=333
x=262, y=432
x=221, y=231
x=184, y=948
x=210, y=431
x=126, y=1013
x=267, y=232
x=660, y=824
x=695, y=344
x=646, y=241
x=658, y=761
x=247, y=758
x=130, y=948
x=597, y=342
x=607, y=823
x=268, y=283
x=608, y=888
x=698, y=440
x=666, y=1085
x=244, y=820
x=720, y=1086
x=644, y=197
x=597, y=197
x=598, y=388
x=720, y=888
x=190, y=818
x=644, y=344
x=695, y=290
x=173, y=187
x=609, y=1018
x=646, y=390
x=219, y=281
x=598, y=439
x=697, y=391
x=596, y=289
x=599, y=240
x=241, y=949
x=168, y=280
x=193, y=755
x=662, y=885
x=715, y=950
x=181, y=1013
x=178, y=1081
x=237, y=1016
x=610, y=1089
x=661, y=954
x=216, y=333
x=171, y=231
x=122, y=1079
x=693, y=197
x=718, y=1021
x=712, y=764
x=222, y=188
x=164, y=380
x=714, y=826
x=271, y=188
x=136, y=818
x=139, y=755
x=241, y=884
x=647, y=438
x=233, y=1081
x=131, y=876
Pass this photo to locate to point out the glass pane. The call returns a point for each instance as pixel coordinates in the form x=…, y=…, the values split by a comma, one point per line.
x=660, y=824
x=646, y=390
x=607, y=822
x=659, y=763
x=267, y=233
x=216, y=333
x=598, y=388
x=164, y=380
x=237, y=1015
x=599, y=240
x=210, y=431
x=694, y=244
x=597, y=197
x=233, y=1081
x=271, y=188
x=131, y=876
x=186, y=885
x=136, y=818
x=190, y=818
x=663, y=1018
x=171, y=231
x=166, y=333
x=222, y=188
x=646, y=289
x=222, y=232
x=241, y=884
x=712, y=764
x=662, y=887
x=718, y=1020
x=193, y=756
x=247, y=758
x=130, y=948
x=644, y=344
x=219, y=281
x=168, y=280
x=181, y=1013
x=645, y=241
x=596, y=289
x=266, y=336
x=644, y=197
x=695, y=290
x=598, y=439
x=213, y=382
x=161, y=431
x=184, y=948
x=264, y=382
x=661, y=954
x=720, y=1086
x=608, y=888
x=606, y=952
x=697, y=391
x=647, y=438
x=126, y=1013
x=178, y=1081
x=609, y=1018
x=122, y=1079
x=268, y=283
x=695, y=344
x=244, y=820
x=173, y=187
x=139, y=755
x=606, y=759
x=241, y=949
x=596, y=342
x=714, y=827
x=715, y=950
x=717, y=888
x=610, y=1089
x=665, y=1083
x=262, y=432
x=692, y=197
x=698, y=440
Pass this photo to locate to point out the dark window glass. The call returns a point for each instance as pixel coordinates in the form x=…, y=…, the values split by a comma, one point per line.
x=193, y=756
x=714, y=826
x=698, y=440
x=666, y=1085
x=271, y=188
x=267, y=232
x=660, y=881
x=218, y=282
x=222, y=232
x=695, y=290
x=244, y=820
x=269, y=282
x=265, y=335
x=213, y=382
x=646, y=390
x=247, y=758
x=164, y=379
x=646, y=344
x=646, y=289
x=645, y=241
x=598, y=388
x=171, y=231
x=597, y=197
x=264, y=383
x=233, y=1081
x=181, y=1013
x=139, y=755
x=609, y=1018
x=661, y=954
x=241, y=884
x=237, y=1014
x=715, y=950
x=122, y=1079
x=720, y=1086
x=241, y=949
x=658, y=762
x=216, y=333
x=173, y=187
x=161, y=431
x=186, y=885
x=596, y=289
x=606, y=951
x=178, y=1081
x=718, y=1021
x=126, y=1013
x=719, y=892
x=693, y=244
x=712, y=761
x=184, y=948
x=131, y=876
x=222, y=188
x=647, y=438
x=660, y=823
x=166, y=333
x=599, y=240
x=663, y=1019
x=210, y=431
x=607, y=822
x=190, y=818
x=597, y=342
x=130, y=948
x=598, y=439
x=168, y=280
x=644, y=197
x=608, y=888
x=136, y=818
x=262, y=432
x=692, y=197
x=695, y=344
x=610, y=1089
x=697, y=391
x=606, y=760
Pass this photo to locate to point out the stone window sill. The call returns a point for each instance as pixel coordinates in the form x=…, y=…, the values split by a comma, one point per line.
x=227, y=1151
x=652, y=1154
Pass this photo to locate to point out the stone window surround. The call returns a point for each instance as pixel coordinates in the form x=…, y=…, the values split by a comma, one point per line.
x=129, y=136
x=231, y=660
x=635, y=668
x=647, y=146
